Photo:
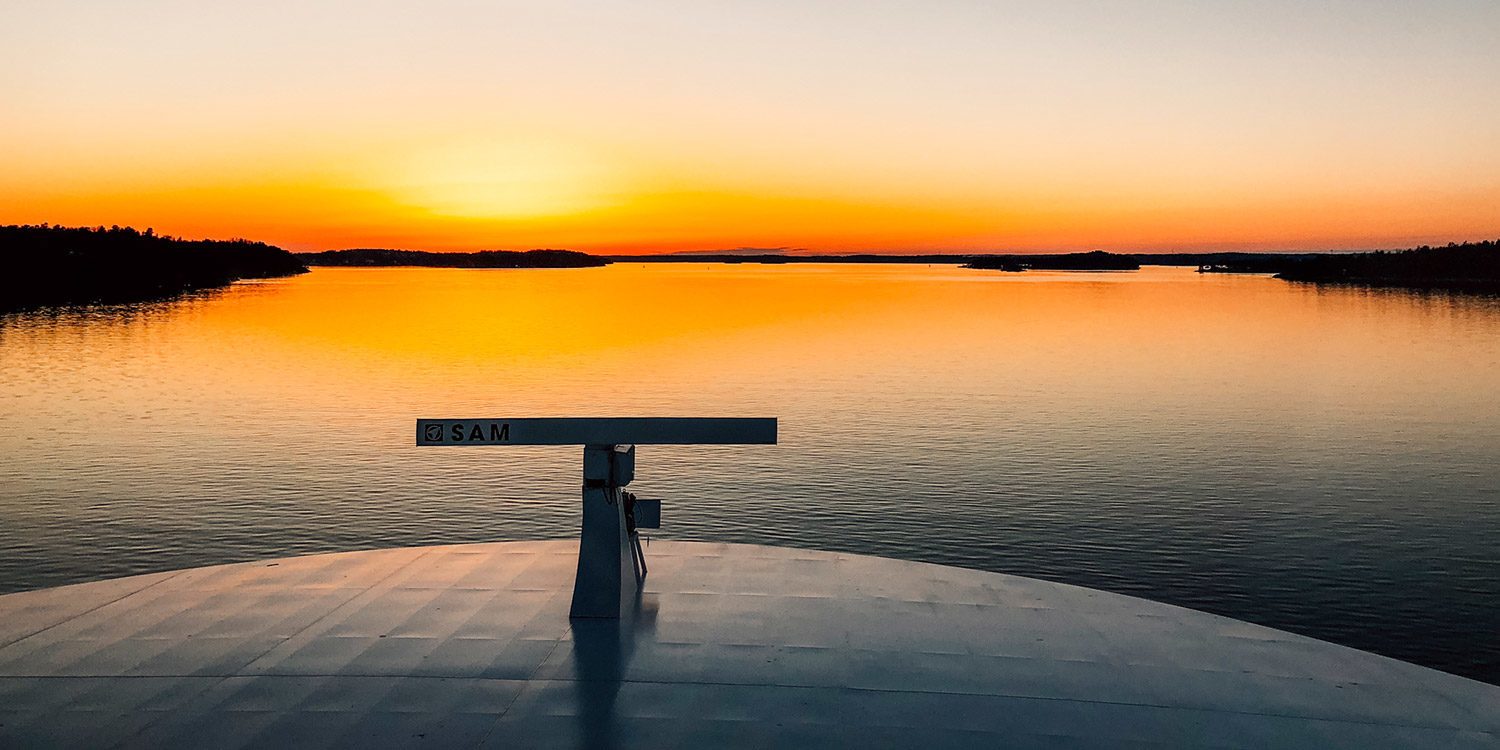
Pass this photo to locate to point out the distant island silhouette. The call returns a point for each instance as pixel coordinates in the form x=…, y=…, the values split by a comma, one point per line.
x=369, y=258
x=53, y=266
x=49, y=266
x=1098, y=260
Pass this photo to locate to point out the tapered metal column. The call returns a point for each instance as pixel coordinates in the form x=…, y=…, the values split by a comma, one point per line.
x=606, y=582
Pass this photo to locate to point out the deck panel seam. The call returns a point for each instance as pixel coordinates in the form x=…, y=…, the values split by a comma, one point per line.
x=209, y=689
x=91, y=610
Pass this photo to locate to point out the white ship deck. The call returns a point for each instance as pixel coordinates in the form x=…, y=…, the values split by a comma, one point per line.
x=734, y=646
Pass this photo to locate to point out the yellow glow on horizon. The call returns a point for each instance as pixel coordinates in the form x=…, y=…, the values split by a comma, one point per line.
x=305, y=212
x=503, y=180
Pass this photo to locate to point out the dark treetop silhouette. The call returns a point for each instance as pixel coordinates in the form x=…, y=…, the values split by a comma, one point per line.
x=47, y=265
x=1471, y=266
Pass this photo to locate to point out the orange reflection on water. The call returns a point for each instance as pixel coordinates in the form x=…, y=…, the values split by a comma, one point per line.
x=672, y=337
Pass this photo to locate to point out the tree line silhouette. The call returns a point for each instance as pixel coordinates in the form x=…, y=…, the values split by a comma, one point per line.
x=53, y=265
x=50, y=265
x=1472, y=266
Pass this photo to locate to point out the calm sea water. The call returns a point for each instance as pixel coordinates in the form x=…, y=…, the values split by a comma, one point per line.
x=1318, y=460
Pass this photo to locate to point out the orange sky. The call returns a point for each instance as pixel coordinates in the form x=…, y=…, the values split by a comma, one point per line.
x=656, y=126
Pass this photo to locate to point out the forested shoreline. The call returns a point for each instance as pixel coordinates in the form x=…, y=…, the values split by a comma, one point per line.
x=52, y=266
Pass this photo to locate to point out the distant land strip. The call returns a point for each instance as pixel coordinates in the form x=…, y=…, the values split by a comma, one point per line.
x=1462, y=267
x=49, y=266
x=369, y=258
x=1096, y=260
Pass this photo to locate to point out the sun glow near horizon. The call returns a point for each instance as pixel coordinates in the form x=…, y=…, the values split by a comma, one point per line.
x=661, y=126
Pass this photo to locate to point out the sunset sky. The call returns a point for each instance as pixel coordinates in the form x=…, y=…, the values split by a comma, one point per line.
x=652, y=126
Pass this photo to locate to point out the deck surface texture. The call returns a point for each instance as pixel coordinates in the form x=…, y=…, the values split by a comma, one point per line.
x=732, y=646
